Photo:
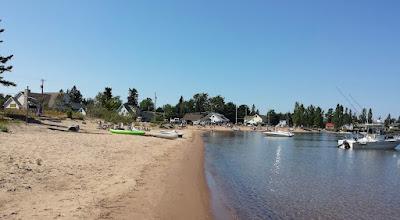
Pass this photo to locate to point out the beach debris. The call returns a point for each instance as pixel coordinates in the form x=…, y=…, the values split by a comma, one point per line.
x=74, y=128
x=167, y=126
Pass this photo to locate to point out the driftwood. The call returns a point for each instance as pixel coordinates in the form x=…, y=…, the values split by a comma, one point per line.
x=74, y=128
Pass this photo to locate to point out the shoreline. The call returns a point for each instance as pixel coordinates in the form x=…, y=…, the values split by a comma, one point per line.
x=48, y=174
x=185, y=193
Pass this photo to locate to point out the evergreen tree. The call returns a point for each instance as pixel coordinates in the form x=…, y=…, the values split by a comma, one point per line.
x=318, y=118
x=297, y=115
x=363, y=116
x=107, y=101
x=370, y=116
x=181, y=107
x=4, y=67
x=133, y=97
x=74, y=95
x=388, y=121
x=253, y=110
x=309, y=116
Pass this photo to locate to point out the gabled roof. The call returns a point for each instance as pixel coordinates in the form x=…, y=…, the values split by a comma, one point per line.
x=130, y=108
x=49, y=99
x=10, y=100
x=193, y=116
x=216, y=114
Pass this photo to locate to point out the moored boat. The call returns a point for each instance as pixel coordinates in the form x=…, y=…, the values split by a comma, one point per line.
x=279, y=133
x=374, y=138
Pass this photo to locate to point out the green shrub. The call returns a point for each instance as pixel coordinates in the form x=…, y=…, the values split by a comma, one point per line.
x=69, y=114
x=109, y=116
x=3, y=127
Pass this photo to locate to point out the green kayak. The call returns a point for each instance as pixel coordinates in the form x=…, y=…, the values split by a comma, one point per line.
x=130, y=132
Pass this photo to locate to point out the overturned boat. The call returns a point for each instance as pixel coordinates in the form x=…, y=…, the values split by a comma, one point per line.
x=166, y=135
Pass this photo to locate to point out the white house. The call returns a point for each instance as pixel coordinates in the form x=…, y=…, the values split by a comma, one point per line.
x=282, y=123
x=18, y=101
x=127, y=110
x=82, y=111
x=253, y=120
x=14, y=103
x=215, y=118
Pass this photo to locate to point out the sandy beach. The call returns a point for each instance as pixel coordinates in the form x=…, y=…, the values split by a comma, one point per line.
x=52, y=174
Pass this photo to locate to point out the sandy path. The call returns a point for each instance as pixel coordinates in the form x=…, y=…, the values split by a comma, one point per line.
x=47, y=174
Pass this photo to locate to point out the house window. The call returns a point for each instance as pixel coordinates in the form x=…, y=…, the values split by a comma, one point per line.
x=13, y=105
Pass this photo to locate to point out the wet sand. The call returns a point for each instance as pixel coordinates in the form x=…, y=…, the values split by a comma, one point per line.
x=51, y=174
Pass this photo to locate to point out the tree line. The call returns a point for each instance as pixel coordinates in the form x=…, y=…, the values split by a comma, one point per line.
x=106, y=104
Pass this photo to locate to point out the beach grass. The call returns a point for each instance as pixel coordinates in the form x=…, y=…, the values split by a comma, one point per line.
x=3, y=126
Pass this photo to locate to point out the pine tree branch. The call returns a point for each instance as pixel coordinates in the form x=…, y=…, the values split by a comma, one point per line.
x=7, y=83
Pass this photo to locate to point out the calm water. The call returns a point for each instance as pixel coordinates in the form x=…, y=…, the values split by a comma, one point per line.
x=305, y=177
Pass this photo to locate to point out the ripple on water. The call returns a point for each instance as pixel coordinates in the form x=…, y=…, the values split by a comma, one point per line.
x=305, y=177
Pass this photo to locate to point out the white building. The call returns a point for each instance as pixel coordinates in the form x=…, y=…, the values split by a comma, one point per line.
x=128, y=110
x=215, y=118
x=253, y=120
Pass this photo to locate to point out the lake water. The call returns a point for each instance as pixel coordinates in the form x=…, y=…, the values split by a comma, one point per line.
x=304, y=177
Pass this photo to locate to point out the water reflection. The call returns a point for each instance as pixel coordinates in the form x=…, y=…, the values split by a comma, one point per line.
x=302, y=177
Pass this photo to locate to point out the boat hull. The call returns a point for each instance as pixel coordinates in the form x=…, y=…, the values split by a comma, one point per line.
x=170, y=136
x=379, y=145
x=127, y=132
x=279, y=134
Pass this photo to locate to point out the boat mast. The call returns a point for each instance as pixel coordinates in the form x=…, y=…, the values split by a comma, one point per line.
x=236, y=113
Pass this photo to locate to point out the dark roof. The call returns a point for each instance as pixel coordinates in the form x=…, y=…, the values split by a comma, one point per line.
x=208, y=116
x=49, y=99
x=131, y=109
x=11, y=99
x=193, y=116
x=148, y=116
x=264, y=118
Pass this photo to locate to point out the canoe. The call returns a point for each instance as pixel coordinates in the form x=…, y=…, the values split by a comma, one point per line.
x=129, y=132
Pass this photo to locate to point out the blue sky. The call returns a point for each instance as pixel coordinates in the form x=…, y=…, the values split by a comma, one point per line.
x=270, y=53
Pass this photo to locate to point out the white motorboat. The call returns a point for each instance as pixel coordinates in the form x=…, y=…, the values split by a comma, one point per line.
x=374, y=138
x=279, y=133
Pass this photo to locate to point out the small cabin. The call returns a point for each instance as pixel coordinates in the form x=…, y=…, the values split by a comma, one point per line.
x=330, y=126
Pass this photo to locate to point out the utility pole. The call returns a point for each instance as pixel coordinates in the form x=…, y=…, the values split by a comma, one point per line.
x=42, y=98
x=26, y=105
x=155, y=101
